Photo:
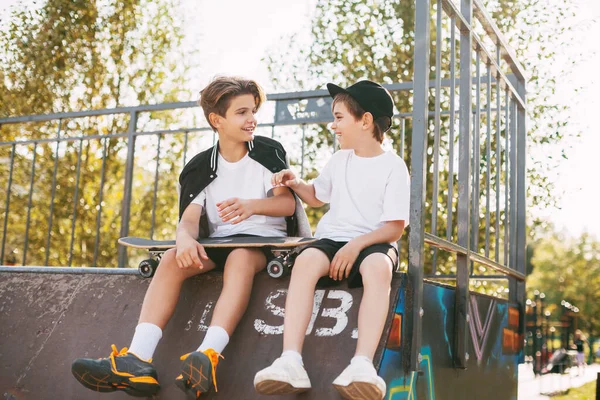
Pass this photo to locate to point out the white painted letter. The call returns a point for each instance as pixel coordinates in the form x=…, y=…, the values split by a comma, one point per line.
x=202, y=327
x=319, y=294
x=338, y=313
x=260, y=325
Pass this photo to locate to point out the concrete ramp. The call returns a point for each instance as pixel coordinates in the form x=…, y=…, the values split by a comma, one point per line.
x=49, y=319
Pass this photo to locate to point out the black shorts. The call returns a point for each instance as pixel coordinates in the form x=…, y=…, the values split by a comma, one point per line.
x=331, y=247
x=219, y=255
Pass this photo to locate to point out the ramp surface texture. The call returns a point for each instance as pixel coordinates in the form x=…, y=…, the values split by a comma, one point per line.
x=48, y=320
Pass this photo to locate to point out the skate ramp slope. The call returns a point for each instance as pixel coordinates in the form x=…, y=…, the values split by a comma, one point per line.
x=49, y=319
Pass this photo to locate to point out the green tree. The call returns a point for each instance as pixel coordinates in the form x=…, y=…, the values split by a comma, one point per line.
x=352, y=40
x=66, y=55
x=569, y=269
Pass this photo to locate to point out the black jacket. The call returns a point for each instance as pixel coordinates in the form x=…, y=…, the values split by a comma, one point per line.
x=202, y=170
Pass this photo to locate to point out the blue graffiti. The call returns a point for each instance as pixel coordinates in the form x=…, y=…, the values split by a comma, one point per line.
x=406, y=388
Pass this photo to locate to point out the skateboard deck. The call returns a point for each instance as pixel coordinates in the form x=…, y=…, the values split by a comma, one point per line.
x=277, y=242
x=284, y=249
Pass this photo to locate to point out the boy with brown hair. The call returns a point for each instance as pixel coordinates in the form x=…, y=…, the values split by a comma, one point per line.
x=238, y=201
x=367, y=189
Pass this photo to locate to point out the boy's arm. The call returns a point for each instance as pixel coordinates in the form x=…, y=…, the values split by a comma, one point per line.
x=189, y=223
x=342, y=262
x=389, y=233
x=306, y=191
x=282, y=204
x=189, y=251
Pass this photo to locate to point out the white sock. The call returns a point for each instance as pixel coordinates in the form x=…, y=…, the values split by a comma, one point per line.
x=216, y=338
x=294, y=355
x=145, y=340
x=361, y=359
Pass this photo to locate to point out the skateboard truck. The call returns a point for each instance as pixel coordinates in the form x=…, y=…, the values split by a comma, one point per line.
x=147, y=267
x=281, y=265
x=275, y=268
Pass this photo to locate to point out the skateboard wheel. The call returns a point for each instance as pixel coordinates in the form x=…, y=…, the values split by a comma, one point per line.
x=276, y=268
x=147, y=268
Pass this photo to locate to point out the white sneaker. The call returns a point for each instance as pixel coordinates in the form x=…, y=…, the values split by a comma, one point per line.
x=359, y=381
x=284, y=376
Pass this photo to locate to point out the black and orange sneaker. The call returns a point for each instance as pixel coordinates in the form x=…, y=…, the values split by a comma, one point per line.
x=120, y=371
x=198, y=372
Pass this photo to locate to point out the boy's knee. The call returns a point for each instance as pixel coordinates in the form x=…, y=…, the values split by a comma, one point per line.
x=311, y=262
x=245, y=255
x=312, y=256
x=168, y=260
x=169, y=256
x=376, y=269
x=250, y=260
x=168, y=264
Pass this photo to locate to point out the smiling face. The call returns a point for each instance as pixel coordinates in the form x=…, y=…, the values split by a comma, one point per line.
x=347, y=127
x=239, y=122
x=229, y=105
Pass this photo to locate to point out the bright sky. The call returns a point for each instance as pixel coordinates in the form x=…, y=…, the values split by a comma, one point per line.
x=578, y=181
x=233, y=36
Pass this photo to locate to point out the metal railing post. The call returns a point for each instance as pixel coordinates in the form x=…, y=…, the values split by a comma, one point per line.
x=414, y=296
x=436, y=129
x=7, y=204
x=51, y=214
x=521, y=197
x=29, y=203
x=464, y=182
x=126, y=204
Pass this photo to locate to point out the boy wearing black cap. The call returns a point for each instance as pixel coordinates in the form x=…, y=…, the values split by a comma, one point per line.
x=368, y=190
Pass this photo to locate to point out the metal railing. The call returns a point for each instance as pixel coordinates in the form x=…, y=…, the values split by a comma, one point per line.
x=508, y=171
x=302, y=109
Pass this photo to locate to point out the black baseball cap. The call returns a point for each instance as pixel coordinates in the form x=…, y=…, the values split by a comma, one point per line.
x=371, y=96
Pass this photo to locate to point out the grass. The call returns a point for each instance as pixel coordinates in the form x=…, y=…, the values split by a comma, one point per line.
x=585, y=392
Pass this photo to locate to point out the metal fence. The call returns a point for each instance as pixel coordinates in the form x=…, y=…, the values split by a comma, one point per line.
x=305, y=112
x=508, y=171
x=472, y=152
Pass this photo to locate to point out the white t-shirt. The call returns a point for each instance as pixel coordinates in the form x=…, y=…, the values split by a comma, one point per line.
x=363, y=193
x=245, y=179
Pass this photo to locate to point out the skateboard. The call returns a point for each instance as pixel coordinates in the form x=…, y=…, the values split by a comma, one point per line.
x=284, y=249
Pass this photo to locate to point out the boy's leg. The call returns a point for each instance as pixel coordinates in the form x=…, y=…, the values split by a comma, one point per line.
x=376, y=271
x=360, y=380
x=310, y=266
x=287, y=374
x=160, y=302
x=240, y=268
x=162, y=294
x=132, y=371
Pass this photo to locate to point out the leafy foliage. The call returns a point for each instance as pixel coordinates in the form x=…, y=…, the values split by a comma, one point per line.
x=569, y=269
x=73, y=55
x=354, y=40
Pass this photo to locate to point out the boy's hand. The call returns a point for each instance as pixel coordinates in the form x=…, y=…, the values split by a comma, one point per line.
x=284, y=177
x=234, y=207
x=343, y=260
x=190, y=253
